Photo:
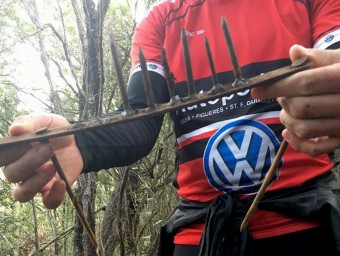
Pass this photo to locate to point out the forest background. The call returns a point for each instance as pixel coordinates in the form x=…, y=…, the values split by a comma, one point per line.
x=55, y=57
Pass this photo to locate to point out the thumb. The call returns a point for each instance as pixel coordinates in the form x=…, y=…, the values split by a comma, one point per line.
x=21, y=125
x=318, y=57
x=33, y=122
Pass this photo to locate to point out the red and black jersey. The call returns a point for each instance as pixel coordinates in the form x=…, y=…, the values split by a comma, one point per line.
x=227, y=145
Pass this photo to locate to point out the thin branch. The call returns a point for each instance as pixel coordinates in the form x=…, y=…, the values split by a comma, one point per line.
x=10, y=247
x=64, y=78
x=8, y=123
x=19, y=89
x=36, y=236
x=81, y=30
x=101, y=57
x=23, y=39
x=62, y=21
x=33, y=12
x=59, y=237
x=67, y=56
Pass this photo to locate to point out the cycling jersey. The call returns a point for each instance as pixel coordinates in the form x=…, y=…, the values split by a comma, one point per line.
x=227, y=145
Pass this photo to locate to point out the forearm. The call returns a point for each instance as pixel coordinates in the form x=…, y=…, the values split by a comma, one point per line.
x=124, y=144
x=120, y=145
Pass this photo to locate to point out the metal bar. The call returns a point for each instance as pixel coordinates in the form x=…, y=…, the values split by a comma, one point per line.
x=262, y=80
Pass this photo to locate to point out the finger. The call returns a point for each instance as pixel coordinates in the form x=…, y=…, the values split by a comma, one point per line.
x=31, y=123
x=317, y=81
x=310, y=128
x=25, y=167
x=312, y=147
x=321, y=106
x=323, y=78
x=53, y=197
x=318, y=57
x=26, y=190
x=9, y=154
x=24, y=124
x=21, y=125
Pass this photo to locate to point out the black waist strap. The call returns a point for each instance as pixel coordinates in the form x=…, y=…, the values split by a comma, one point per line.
x=221, y=235
x=318, y=199
x=223, y=218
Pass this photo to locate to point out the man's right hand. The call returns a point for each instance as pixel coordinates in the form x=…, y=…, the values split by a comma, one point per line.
x=310, y=102
x=30, y=167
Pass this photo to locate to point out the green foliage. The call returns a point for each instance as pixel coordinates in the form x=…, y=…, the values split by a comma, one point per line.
x=11, y=223
x=8, y=17
x=15, y=224
x=8, y=107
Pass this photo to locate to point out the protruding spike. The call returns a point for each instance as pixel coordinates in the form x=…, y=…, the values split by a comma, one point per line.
x=146, y=80
x=232, y=53
x=188, y=67
x=216, y=86
x=211, y=61
x=170, y=79
x=120, y=79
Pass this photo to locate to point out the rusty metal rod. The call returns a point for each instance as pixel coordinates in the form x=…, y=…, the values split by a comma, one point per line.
x=71, y=194
x=75, y=202
x=270, y=174
x=120, y=79
x=211, y=61
x=147, y=81
x=267, y=180
x=188, y=66
x=170, y=79
x=232, y=53
x=216, y=86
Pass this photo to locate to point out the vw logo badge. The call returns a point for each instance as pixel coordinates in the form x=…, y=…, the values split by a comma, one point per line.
x=238, y=156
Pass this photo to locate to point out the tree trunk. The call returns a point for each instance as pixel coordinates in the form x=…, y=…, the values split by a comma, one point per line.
x=90, y=107
x=86, y=191
x=93, y=71
x=121, y=216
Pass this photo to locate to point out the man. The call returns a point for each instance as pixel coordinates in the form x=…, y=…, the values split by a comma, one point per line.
x=224, y=147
